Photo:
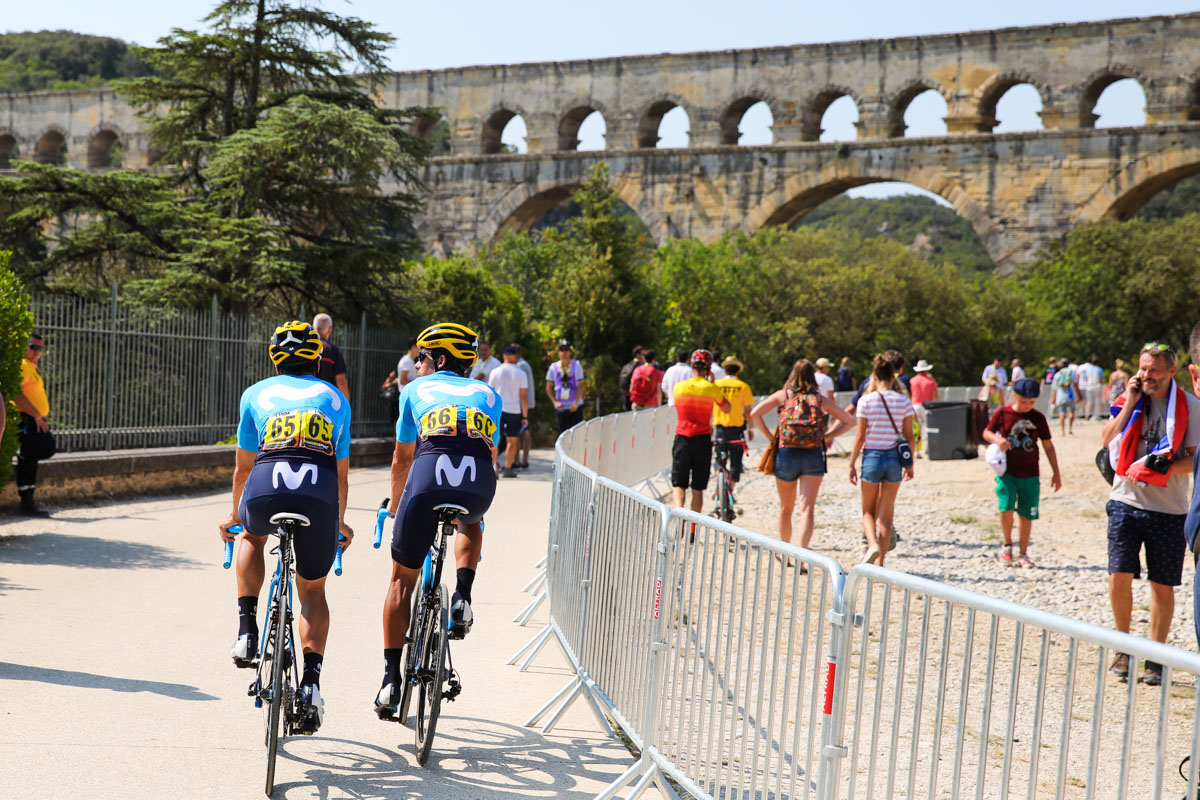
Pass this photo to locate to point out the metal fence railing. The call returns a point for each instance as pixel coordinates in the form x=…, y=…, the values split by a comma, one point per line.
x=126, y=375
x=743, y=667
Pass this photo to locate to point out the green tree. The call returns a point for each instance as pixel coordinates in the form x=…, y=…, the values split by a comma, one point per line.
x=286, y=182
x=16, y=323
x=59, y=60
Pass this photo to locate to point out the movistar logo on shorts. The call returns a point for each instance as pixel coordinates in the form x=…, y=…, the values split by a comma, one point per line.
x=294, y=479
x=427, y=389
x=278, y=391
x=444, y=468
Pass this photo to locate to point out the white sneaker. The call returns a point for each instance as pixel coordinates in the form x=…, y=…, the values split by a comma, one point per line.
x=245, y=651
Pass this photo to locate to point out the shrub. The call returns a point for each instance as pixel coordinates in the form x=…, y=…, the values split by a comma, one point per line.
x=16, y=323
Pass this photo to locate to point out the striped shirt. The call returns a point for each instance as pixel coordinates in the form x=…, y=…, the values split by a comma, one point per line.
x=880, y=433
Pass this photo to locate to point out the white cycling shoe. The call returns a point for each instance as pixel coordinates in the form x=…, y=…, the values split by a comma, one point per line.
x=461, y=619
x=245, y=651
x=311, y=708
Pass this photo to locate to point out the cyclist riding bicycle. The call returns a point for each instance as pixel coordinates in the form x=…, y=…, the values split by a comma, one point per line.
x=446, y=440
x=293, y=455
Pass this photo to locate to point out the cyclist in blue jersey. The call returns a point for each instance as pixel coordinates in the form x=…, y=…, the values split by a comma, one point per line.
x=446, y=440
x=293, y=455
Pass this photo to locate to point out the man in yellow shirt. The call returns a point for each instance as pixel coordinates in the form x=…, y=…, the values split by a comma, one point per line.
x=729, y=426
x=36, y=441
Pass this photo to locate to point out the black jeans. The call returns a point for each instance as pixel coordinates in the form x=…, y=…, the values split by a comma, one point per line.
x=566, y=418
x=35, y=446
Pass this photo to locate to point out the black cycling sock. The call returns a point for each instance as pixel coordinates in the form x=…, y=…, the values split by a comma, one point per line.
x=248, y=615
x=391, y=664
x=312, y=669
x=466, y=577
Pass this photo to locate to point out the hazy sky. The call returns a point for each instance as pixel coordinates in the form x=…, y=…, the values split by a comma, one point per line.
x=434, y=35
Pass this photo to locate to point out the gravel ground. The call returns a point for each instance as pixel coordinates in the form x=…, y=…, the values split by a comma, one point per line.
x=950, y=531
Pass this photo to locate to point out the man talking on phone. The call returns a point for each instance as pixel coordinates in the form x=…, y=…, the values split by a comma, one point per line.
x=1151, y=437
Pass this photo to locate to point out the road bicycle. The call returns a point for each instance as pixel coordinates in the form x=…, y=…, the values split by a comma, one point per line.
x=724, y=496
x=428, y=668
x=276, y=685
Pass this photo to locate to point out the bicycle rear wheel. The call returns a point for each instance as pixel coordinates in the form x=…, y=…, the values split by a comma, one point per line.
x=432, y=671
x=724, y=507
x=410, y=658
x=278, y=656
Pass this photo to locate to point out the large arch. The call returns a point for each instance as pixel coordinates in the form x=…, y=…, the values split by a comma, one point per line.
x=801, y=194
x=731, y=118
x=51, y=148
x=568, y=126
x=990, y=93
x=651, y=119
x=815, y=107
x=1123, y=194
x=527, y=203
x=901, y=100
x=104, y=150
x=1095, y=84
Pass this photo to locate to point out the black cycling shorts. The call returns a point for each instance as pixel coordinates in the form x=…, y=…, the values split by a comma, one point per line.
x=465, y=479
x=691, y=459
x=300, y=487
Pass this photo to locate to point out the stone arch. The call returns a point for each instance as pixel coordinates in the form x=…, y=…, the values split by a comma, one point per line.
x=900, y=101
x=993, y=89
x=801, y=194
x=731, y=117
x=435, y=130
x=104, y=149
x=51, y=147
x=493, y=126
x=817, y=103
x=651, y=118
x=525, y=204
x=1094, y=85
x=1193, y=99
x=1125, y=192
x=568, y=126
x=9, y=150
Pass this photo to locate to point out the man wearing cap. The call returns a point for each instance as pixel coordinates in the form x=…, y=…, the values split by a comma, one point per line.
x=563, y=381
x=824, y=382
x=36, y=441
x=1016, y=429
x=730, y=426
x=924, y=389
x=691, y=453
x=513, y=387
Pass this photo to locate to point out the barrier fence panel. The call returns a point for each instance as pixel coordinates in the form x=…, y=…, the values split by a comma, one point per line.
x=948, y=693
x=748, y=649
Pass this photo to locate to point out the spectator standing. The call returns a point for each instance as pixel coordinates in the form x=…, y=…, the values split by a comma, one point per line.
x=718, y=372
x=924, y=390
x=35, y=441
x=885, y=417
x=995, y=369
x=1091, y=387
x=626, y=375
x=526, y=434
x=824, y=382
x=1016, y=429
x=1065, y=396
x=845, y=376
x=482, y=370
x=510, y=383
x=803, y=436
x=1048, y=380
x=691, y=453
x=564, y=380
x=1118, y=379
x=1150, y=442
x=389, y=390
x=406, y=367
x=679, y=371
x=729, y=426
x=1017, y=372
x=333, y=365
x=645, y=384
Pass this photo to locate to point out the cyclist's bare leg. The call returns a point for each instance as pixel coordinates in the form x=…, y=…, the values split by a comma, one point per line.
x=468, y=546
x=250, y=567
x=397, y=604
x=314, y=614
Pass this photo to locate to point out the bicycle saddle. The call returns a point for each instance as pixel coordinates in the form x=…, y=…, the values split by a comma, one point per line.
x=449, y=510
x=284, y=516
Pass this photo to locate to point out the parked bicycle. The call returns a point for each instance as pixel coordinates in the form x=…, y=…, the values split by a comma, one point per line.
x=276, y=686
x=428, y=667
x=723, y=499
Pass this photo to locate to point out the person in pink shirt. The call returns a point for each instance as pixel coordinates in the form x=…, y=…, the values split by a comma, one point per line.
x=924, y=389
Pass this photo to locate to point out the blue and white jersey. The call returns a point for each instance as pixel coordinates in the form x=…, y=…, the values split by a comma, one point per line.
x=295, y=418
x=447, y=412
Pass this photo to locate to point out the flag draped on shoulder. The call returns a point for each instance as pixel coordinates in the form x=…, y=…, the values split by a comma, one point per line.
x=1122, y=450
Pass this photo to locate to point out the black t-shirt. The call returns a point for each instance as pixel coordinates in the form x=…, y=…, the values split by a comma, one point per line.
x=1022, y=432
x=332, y=363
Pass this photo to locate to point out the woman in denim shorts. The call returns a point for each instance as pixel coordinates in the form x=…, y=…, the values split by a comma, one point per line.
x=878, y=435
x=800, y=459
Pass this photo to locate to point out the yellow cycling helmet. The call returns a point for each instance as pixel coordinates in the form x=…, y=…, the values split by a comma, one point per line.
x=458, y=341
x=295, y=339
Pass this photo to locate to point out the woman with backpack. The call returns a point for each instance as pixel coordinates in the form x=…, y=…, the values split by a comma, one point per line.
x=800, y=458
x=885, y=439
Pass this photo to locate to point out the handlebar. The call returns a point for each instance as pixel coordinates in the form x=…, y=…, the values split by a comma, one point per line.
x=380, y=516
x=229, y=546
x=337, y=558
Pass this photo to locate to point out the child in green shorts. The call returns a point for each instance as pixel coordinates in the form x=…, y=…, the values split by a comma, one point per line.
x=1016, y=429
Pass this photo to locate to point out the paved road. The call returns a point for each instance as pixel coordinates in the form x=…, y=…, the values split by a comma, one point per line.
x=115, y=679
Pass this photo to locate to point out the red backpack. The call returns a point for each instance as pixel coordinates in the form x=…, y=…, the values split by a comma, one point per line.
x=802, y=422
x=641, y=388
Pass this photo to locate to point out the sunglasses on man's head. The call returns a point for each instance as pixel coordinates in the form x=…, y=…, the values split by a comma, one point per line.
x=1156, y=347
x=32, y=346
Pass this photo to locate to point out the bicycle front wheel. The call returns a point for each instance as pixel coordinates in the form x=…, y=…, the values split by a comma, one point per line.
x=278, y=689
x=724, y=507
x=432, y=671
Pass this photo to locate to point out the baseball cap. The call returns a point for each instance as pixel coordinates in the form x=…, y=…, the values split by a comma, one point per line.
x=822, y=363
x=510, y=350
x=1026, y=387
x=563, y=344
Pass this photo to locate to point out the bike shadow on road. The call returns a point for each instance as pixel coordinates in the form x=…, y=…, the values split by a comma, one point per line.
x=476, y=759
x=88, y=680
x=61, y=550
